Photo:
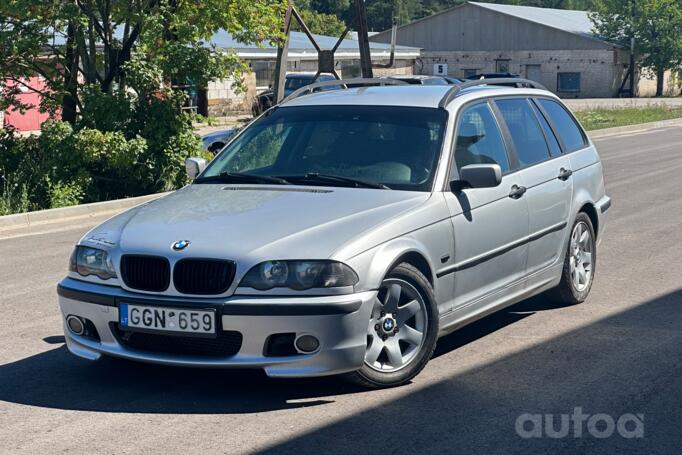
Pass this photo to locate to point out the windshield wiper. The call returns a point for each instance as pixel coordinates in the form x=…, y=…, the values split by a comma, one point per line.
x=313, y=177
x=240, y=177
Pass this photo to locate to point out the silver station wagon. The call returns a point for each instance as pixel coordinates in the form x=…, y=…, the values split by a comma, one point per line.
x=344, y=231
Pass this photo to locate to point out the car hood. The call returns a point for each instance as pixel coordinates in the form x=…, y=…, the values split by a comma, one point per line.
x=254, y=223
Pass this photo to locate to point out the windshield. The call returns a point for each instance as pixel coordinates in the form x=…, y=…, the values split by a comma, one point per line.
x=397, y=147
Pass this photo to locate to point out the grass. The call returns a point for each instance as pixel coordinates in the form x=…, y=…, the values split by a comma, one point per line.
x=608, y=118
x=208, y=120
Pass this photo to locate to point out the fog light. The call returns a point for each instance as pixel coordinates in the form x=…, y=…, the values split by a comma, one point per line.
x=75, y=325
x=307, y=344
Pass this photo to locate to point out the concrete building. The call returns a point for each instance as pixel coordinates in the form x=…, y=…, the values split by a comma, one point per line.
x=554, y=47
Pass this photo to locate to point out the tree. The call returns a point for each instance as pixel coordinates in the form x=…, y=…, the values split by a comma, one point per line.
x=320, y=23
x=656, y=26
x=323, y=17
x=380, y=13
x=112, y=68
x=77, y=43
x=335, y=7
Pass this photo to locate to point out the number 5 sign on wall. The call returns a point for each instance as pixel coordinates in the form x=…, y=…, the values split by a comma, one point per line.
x=440, y=69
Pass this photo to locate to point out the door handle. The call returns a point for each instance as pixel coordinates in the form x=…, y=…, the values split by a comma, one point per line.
x=565, y=174
x=517, y=191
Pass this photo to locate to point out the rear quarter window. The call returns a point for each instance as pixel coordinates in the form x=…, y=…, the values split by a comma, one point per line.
x=567, y=129
x=552, y=142
x=526, y=133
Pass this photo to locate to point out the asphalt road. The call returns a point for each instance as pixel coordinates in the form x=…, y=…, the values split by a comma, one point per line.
x=617, y=354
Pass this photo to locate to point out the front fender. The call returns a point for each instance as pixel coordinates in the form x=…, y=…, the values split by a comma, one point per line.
x=373, y=265
x=433, y=243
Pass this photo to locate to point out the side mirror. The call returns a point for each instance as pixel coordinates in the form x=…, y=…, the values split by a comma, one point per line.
x=478, y=176
x=194, y=167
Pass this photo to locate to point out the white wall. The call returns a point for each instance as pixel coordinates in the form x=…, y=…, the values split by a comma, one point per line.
x=601, y=71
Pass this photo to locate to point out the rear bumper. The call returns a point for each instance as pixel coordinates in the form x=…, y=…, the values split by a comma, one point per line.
x=339, y=322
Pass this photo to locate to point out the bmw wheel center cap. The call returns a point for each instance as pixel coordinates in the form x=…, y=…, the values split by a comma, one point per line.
x=389, y=324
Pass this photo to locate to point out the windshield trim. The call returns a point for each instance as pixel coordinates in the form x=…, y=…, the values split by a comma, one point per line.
x=438, y=154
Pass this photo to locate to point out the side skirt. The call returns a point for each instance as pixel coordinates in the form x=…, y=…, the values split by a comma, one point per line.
x=529, y=287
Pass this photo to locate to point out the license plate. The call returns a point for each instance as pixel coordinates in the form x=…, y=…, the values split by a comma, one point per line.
x=160, y=319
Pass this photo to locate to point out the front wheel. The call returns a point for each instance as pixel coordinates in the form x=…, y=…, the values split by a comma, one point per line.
x=402, y=330
x=580, y=263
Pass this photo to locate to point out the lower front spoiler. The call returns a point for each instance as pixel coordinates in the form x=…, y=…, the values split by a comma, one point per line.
x=342, y=340
x=329, y=362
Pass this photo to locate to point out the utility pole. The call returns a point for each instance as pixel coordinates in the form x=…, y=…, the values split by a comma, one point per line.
x=632, y=67
x=363, y=39
x=632, y=51
x=282, y=56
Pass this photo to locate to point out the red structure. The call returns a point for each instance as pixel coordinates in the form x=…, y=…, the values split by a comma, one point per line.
x=32, y=118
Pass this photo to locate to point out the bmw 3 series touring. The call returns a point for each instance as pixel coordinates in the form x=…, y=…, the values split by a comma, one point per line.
x=344, y=232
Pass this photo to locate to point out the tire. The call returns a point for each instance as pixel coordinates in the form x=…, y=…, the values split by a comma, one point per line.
x=569, y=291
x=416, y=294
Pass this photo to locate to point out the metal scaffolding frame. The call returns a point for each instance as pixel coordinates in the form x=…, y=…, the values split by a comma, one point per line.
x=325, y=57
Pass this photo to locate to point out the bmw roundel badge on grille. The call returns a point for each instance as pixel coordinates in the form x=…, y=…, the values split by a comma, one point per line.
x=180, y=245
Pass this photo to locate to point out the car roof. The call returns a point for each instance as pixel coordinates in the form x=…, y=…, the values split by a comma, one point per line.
x=403, y=95
x=219, y=133
x=302, y=75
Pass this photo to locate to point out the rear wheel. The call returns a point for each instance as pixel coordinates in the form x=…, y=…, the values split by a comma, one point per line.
x=402, y=330
x=580, y=263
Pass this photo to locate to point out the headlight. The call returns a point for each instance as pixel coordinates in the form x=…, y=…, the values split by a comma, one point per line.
x=91, y=261
x=299, y=275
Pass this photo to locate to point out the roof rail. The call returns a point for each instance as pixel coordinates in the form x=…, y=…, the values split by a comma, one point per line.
x=519, y=82
x=344, y=84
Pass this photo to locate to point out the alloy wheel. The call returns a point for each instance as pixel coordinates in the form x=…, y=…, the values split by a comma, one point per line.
x=580, y=259
x=397, y=327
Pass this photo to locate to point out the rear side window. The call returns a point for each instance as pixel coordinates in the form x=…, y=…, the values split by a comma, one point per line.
x=526, y=133
x=479, y=140
x=568, y=131
x=552, y=142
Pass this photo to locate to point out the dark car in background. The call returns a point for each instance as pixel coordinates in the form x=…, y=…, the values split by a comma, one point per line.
x=293, y=82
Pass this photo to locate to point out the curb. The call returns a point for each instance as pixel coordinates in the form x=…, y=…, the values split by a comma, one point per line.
x=92, y=210
x=597, y=134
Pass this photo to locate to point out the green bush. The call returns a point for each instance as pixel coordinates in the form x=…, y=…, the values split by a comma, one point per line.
x=63, y=167
x=64, y=194
x=13, y=196
x=122, y=145
x=155, y=118
x=111, y=166
x=106, y=112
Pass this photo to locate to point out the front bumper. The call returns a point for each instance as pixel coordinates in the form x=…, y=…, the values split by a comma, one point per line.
x=603, y=205
x=339, y=322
